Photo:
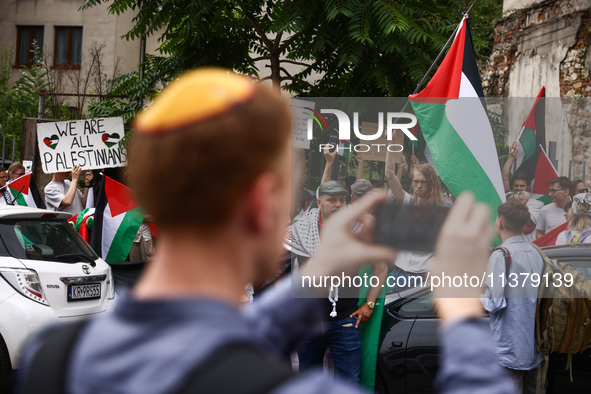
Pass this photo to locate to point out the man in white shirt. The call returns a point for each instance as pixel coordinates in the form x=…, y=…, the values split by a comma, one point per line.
x=552, y=215
x=62, y=195
x=520, y=182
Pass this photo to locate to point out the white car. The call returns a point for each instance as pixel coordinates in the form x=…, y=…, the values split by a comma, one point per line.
x=48, y=273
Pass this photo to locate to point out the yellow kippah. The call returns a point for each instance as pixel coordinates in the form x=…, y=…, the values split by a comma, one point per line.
x=195, y=96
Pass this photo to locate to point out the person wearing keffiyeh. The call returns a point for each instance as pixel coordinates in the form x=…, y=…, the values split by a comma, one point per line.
x=339, y=333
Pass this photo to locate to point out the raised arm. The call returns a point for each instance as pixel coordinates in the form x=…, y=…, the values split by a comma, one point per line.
x=329, y=156
x=506, y=172
x=360, y=164
x=393, y=180
x=298, y=162
x=88, y=177
x=71, y=193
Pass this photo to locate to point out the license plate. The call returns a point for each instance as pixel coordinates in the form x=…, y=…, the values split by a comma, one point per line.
x=84, y=292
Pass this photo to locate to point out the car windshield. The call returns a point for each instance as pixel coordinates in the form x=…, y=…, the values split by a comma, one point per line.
x=44, y=239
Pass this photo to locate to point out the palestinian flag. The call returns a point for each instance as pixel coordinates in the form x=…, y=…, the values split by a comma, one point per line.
x=117, y=219
x=111, y=139
x=24, y=191
x=550, y=237
x=456, y=127
x=540, y=170
x=52, y=141
x=344, y=148
x=533, y=131
x=83, y=222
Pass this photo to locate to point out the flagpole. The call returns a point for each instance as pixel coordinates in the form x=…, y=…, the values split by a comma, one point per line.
x=521, y=132
x=449, y=40
x=420, y=85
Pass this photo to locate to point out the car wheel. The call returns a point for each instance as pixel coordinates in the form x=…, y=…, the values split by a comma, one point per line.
x=5, y=368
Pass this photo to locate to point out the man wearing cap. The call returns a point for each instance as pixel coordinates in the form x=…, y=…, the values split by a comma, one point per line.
x=340, y=332
x=360, y=188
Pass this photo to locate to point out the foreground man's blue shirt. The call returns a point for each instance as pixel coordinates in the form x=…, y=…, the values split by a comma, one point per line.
x=149, y=347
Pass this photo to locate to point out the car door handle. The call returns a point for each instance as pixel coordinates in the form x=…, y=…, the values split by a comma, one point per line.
x=397, y=344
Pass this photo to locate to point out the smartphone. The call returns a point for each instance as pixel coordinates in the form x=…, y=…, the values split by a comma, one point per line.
x=409, y=227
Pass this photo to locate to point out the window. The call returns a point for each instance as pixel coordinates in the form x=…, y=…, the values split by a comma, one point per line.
x=29, y=45
x=68, y=47
x=43, y=239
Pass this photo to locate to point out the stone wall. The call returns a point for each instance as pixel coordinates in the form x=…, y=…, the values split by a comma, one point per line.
x=547, y=44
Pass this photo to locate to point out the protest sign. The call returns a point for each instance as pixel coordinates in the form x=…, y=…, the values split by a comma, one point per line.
x=299, y=123
x=88, y=143
x=379, y=148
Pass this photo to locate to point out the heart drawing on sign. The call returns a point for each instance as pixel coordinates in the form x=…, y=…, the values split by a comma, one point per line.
x=51, y=141
x=111, y=139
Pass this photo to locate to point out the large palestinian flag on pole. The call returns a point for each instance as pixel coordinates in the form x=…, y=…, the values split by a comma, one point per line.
x=117, y=219
x=24, y=191
x=456, y=127
x=533, y=131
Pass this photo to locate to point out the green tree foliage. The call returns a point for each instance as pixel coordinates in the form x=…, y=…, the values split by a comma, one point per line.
x=357, y=47
x=18, y=100
x=21, y=99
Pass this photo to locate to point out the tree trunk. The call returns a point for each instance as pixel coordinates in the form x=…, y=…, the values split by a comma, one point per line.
x=275, y=70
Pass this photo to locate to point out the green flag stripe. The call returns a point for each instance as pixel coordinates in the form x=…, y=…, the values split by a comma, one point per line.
x=546, y=199
x=125, y=234
x=528, y=143
x=80, y=218
x=20, y=200
x=456, y=165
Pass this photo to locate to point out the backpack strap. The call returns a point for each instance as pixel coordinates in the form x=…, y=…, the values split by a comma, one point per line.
x=252, y=372
x=47, y=371
x=507, y=259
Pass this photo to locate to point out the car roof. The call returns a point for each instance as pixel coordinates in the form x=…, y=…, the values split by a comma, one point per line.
x=568, y=250
x=17, y=211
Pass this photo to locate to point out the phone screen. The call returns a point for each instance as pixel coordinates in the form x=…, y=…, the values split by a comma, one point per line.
x=409, y=227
